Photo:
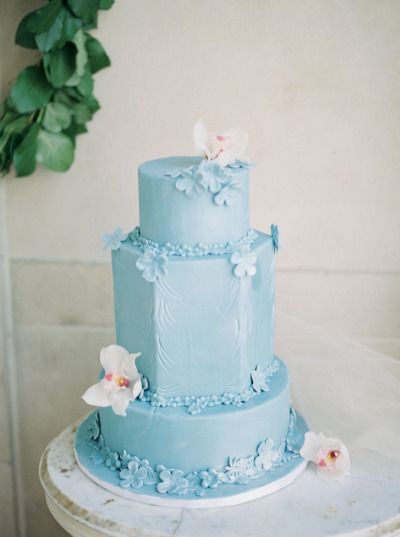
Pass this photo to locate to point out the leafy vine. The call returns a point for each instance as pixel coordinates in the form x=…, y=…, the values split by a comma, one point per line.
x=50, y=103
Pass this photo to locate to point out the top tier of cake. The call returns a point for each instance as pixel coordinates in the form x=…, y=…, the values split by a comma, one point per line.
x=181, y=203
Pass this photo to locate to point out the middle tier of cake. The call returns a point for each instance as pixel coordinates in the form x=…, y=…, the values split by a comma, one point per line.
x=202, y=323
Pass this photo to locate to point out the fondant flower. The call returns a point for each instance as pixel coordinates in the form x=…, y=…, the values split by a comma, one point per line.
x=330, y=456
x=211, y=175
x=267, y=456
x=240, y=164
x=245, y=262
x=113, y=240
x=240, y=470
x=275, y=237
x=172, y=481
x=153, y=265
x=211, y=479
x=189, y=183
x=133, y=476
x=259, y=380
x=121, y=382
x=223, y=148
x=228, y=194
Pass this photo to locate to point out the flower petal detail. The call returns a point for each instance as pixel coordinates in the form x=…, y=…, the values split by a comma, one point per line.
x=201, y=138
x=96, y=395
x=112, y=357
x=120, y=401
x=330, y=456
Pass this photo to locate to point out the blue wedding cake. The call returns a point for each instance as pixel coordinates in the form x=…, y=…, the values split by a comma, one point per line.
x=193, y=408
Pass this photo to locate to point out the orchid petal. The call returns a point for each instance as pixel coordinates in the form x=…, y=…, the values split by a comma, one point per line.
x=96, y=395
x=120, y=401
x=137, y=389
x=128, y=366
x=201, y=138
x=111, y=357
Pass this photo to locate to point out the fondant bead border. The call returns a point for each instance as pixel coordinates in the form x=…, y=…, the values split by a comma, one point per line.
x=195, y=404
x=184, y=250
x=135, y=473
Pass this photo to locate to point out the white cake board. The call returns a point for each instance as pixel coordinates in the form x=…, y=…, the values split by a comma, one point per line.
x=366, y=504
x=269, y=483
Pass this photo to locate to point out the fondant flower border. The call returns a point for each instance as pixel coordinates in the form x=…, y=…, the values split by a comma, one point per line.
x=135, y=473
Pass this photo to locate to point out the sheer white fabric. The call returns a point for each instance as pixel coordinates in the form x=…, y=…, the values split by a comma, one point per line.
x=342, y=388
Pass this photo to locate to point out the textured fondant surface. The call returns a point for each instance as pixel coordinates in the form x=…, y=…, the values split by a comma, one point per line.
x=201, y=329
x=172, y=437
x=168, y=215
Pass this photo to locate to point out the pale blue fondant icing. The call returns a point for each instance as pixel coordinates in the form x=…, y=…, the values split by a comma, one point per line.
x=200, y=329
x=198, y=250
x=135, y=472
x=176, y=439
x=275, y=237
x=168, y=215
x=260, y=380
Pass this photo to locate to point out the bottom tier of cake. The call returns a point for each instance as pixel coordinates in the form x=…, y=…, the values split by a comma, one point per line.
x=222, y=456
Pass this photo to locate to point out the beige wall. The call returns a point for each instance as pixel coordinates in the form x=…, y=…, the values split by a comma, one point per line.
x=316, y=84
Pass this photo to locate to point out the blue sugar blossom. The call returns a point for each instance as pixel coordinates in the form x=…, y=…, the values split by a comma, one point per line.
x=228, y=194
x=244, y=262
x=172, y=481
x=113, y=241
x=211, y=479
x=239, y=470
x=211, y=175
x=189, y=183
x=112, y=461
x=240, y=164
x=267, y=455
x=275, y=237
x=259, y=380
x=153, y=265
x=133, y=476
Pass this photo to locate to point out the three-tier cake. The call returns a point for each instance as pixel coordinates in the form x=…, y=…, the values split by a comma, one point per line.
x=202, y=415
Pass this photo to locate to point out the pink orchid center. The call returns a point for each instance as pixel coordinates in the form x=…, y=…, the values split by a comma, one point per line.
x=220, y=144
x=114, y=379
x=329, y=459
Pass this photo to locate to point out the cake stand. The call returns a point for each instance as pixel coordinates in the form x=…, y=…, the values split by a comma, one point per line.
x=366, y=504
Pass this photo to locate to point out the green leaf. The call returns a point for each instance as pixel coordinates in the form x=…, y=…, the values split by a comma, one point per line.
x=57, y=117
x=55, y=151
x=43, y=18
x=18, y=125
x=31, y=90
x=23, y=36
x=71, y=26
x=81, y=59
x=97, y=56
x=82, y=113
x=85, y=85
x=74, y=130
x=105, y=4
x=86, y=10
x=47, y=40
x=24, y=157
x=61, y=64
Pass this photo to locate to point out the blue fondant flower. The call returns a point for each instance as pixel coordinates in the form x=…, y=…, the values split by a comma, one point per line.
x=275, y=237
x=152, y=265
x=211, y=175
x=228, y=194
x=240, y=164
x=189, y=183
x=112, y=461
x=267, y=455
x=132, y=476
x=113, y=240
x=239, y=470
x=259, y=380
x=172, y=482
x=245, y=262
x=96, y=456
x=211, y=478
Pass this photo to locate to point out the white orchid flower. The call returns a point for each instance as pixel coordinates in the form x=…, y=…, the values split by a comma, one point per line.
x=121, y=382
x=330, y=456
x=223, y=148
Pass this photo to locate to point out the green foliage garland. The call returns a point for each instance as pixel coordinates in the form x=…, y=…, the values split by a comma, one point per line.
x=50, y=103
